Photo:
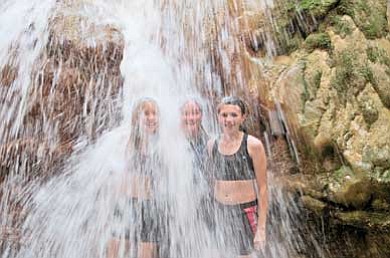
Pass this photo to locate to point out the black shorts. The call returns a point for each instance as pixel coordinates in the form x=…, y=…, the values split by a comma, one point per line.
x=235, y=227
x=141, y=224
x=206, y=212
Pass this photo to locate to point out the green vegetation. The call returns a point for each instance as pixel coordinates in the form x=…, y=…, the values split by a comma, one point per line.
x=369, y=16
x=311, y=83
x=340, y=174
x=369, y=111
x=341, y=27
x=317, y=79
x=351, y=76
x=286, y=34
x=319, y=8
x=306, y=93
x=344, y=73
x=289, y=43
x=378, y=55
x=294, y=21
x=310, y=86
x=367, y=74
x=318, y=41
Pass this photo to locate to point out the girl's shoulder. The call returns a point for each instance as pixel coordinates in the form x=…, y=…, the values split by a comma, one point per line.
x=254, y=143
x=211, y=143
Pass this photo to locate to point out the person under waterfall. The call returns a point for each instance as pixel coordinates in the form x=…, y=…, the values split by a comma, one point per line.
x=240, y=187
x=140, y=216
x=191, y=124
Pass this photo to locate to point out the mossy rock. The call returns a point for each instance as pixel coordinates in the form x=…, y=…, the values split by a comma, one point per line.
x=380, y=205
x=314, y=205
x=369, y=111
x=351, y=75
x=349, y=190
x=369, y=15
x=377, y=155
x=381, y=197
x=365, y=220
x=318, y=41
x=318, y=8
x=290, y=44
x=295, y=20
x=381, y=76
x=340, y=25
x=379, y=55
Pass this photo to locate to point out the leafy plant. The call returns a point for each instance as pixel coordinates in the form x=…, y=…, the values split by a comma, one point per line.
x=318, y=40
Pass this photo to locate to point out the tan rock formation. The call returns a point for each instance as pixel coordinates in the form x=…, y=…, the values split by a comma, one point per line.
x=334, y=90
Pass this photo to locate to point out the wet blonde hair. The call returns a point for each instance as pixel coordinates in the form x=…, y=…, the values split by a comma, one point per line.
x=135, y=140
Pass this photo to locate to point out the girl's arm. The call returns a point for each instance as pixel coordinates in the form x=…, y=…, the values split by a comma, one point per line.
x=257, y=153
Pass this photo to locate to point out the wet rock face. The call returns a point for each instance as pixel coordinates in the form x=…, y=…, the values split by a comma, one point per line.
x=335, y=87
x=342, y=96
x=83, y=72
x=331, y=75
x=76, y=82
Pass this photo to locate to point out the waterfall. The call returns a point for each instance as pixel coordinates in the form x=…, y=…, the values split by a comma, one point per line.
x=66, y=119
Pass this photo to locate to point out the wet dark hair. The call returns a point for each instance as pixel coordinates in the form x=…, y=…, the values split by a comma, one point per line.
x=232, y=100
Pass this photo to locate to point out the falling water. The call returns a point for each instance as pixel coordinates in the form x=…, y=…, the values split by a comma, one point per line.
x=61, y=202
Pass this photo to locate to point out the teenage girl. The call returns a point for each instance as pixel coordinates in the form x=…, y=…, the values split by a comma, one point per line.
x=240, y=188
x=142, y=234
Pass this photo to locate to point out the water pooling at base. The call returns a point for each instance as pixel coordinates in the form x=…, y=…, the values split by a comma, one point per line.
x=166, y=58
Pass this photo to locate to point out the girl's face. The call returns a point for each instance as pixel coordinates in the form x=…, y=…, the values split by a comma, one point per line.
x=230, y=118
x=191, y=118
x=149, y=119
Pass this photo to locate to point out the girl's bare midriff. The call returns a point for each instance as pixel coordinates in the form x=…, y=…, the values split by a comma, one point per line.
x=234, y=192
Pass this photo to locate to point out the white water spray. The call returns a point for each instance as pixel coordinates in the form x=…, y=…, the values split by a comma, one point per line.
x=166, y=57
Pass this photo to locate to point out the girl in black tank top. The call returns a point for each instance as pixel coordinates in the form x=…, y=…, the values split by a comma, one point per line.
x=240, y=184
x=238, y=166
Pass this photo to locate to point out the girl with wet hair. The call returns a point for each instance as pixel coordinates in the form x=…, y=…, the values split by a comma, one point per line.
x=140, y=214
x=240, y=188
x=191, y=123
x=144, y=125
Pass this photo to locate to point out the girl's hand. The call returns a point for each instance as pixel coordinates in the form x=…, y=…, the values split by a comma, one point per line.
x=259, y=240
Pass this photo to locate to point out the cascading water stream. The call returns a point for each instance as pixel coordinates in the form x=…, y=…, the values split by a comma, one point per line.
x=166, y=57
x=23, y=32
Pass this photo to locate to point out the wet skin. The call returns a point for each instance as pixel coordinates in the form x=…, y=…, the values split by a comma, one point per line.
x=191, y=117
x=139, y=186
x=149, y=119
x=230, y=118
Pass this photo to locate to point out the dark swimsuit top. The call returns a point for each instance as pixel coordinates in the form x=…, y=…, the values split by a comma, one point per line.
x=146, y=165
x=238, y=166
x=198, y=146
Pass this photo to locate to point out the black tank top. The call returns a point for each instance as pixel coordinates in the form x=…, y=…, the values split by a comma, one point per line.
x=148, y=165
x=238, y=166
